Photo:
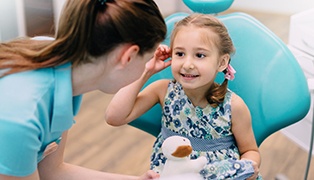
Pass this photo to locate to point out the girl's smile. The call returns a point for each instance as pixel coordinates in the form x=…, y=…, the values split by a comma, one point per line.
x=189, y=77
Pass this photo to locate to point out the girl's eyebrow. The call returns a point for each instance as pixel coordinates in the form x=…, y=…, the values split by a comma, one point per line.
x=196, y=49
x=178, y=48
x=202, y=49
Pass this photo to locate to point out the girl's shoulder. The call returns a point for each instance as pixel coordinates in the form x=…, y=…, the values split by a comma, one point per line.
x=159, y=88
x=161, y=84
x=238, y=103
x=234, y=96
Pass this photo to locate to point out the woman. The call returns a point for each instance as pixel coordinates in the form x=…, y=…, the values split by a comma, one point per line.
x=99, y=45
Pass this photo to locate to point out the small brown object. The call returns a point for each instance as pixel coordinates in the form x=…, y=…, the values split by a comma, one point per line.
x=182, y=151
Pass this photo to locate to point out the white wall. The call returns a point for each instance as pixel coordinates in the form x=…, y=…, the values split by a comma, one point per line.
x=288, y=7
x=57, y=8
x=168, y=7
x=274, y=6
x=12, y=22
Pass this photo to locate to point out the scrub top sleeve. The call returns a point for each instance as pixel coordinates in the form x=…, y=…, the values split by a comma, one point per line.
x=19, y=145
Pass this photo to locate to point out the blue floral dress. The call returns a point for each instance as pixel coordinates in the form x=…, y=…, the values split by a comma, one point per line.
x=204, y=127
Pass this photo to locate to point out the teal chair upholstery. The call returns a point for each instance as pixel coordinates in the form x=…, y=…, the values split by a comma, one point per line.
x=268, y=78
x=208, y=6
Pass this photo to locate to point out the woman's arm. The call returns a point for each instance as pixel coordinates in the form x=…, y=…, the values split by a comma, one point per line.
x=243, y=132
x=53, y=167
x=128, y=103
x=33, y=176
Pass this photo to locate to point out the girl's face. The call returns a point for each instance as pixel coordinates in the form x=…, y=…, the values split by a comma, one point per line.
x=195, y=58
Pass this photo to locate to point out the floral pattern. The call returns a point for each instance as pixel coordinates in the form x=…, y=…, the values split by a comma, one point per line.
x=181, y=116
x=228, y=169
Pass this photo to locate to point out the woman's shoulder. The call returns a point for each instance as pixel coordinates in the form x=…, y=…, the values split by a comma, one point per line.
x=26, y=81
x=21, y=91
x=22, y=99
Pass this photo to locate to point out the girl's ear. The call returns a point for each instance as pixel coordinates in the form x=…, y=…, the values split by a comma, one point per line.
x=129, y=54
x=223, y=62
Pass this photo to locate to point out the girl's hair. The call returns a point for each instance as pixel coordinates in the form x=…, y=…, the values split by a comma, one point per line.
x=88, y=28
x=216, y=92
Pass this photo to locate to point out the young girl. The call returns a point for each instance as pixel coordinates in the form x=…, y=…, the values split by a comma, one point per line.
x=215, y=119
x=99, y=45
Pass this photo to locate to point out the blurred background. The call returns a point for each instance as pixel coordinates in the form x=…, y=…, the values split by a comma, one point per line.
x=94, y=144
x=36, y=17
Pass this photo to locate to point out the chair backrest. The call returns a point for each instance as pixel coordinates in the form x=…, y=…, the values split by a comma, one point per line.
x=268, y=78
x=208, y=6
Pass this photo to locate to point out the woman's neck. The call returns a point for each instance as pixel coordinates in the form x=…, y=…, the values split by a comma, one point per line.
x=83, y=79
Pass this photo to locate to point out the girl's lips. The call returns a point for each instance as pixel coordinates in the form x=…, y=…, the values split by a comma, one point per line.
x=188, y=77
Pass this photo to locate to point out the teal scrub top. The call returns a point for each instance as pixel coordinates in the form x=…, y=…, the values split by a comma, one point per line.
x=36, y=107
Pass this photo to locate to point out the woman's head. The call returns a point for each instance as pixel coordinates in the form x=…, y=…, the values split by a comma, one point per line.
x=96, y=27
x=201, y=47
x=89, y=29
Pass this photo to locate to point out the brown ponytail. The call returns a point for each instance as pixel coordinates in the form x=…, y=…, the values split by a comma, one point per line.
x=87, y=28
x=216, y=94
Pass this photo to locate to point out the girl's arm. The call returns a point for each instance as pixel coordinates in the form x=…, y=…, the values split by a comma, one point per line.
x=243, y=132
x=128, y=104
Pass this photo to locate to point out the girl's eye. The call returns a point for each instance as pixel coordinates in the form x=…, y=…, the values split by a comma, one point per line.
x=199, y=55
x=180, y=54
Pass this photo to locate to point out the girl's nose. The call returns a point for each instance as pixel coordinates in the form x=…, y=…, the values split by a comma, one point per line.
x=188, y=64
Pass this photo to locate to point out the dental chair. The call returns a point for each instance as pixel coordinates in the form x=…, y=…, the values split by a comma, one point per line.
x=268, y=78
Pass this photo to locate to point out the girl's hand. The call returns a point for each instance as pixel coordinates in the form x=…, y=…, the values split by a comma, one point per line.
x=149, y=175
x=256, y=170
x=158, y=63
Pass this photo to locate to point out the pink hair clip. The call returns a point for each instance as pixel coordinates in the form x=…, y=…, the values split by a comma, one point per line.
x=230, y=73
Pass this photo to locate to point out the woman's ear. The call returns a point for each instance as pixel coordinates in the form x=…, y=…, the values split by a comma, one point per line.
x=129, y=54
x=223, y=62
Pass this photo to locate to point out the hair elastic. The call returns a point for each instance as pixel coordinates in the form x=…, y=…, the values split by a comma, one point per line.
x=102, y=2
x=229, y=73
